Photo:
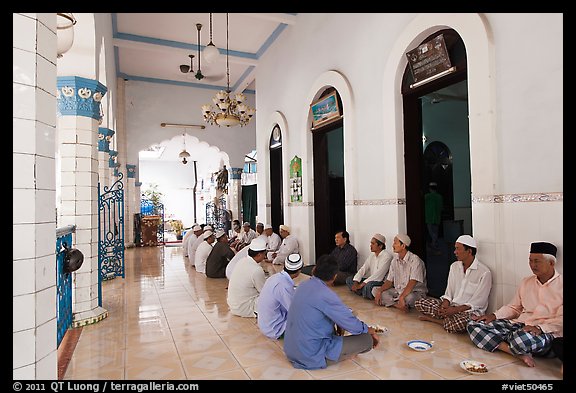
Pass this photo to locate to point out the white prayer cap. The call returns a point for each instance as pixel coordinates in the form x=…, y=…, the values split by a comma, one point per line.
x=259, y=224
x=258, y=245
x=467, y=240
x=220, y=233
x=207, y=234
x=293, y=262
x=380, y=238
x=267, y=226
x=285, y=227
x=404, y=238
x=208, y=228
x=246, y=224
x=197, y=228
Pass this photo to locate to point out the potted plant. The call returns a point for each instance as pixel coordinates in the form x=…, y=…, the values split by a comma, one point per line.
x=177, y=227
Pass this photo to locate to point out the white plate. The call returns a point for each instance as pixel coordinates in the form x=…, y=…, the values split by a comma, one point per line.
x=382, y=330
x=469, y=365
x=419, y=345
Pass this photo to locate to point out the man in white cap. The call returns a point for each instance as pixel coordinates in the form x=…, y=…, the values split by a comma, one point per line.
x=374, y=270
x=406, y=280
x=190, y=236
x=247, y=281
x=204, y=249
x=529, y=323
x=274, y=241
x=193, y=245
x=289, y=246
x=276, y=297
x=467, y=291
x=246, y=236
x=219, y=257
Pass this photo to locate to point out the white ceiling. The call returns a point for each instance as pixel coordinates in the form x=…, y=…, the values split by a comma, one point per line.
x=152, y=46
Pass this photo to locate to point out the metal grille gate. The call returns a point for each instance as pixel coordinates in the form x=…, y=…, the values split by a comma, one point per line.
x=149, y=208
x=215, y=213
x=63, y=283
x=110, y=233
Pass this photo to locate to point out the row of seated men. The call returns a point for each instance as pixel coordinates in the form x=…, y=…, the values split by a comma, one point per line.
x=309, y=317
x=216, y=253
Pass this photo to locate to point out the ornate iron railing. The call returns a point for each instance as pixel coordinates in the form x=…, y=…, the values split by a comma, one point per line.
x=63, y=283
x=215, y=213
x=110, y=233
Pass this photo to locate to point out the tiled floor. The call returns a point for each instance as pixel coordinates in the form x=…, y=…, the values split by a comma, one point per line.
x=168, y=322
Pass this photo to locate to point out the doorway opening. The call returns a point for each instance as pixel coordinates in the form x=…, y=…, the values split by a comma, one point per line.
x=276, y=180
x=437, y=150
x=329, y=195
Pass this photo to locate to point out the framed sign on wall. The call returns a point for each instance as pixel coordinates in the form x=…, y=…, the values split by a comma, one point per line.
x=296, y=179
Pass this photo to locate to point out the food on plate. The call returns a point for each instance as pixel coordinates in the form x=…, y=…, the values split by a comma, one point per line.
x=475, y=367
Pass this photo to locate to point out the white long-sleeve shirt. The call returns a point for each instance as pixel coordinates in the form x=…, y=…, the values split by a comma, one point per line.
x=289, y=246
x=375, y=268
x=247, y=237
x=202, y=253
x=192, y=247
x=470, y=288
x=243, y=253
x=274, y=242
x=188, y=237
x=244, y=287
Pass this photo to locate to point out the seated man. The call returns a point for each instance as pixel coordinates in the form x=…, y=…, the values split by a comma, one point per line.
x=219, y=257
x=193, y=243
x=467, y=291
x=374, y=270
x=274, y=241
x=406, y=281
x=203, y=250
x=530, y=322
x=246, y=236
x=310, y=340
x=243, y=253
x=289, y=246
x=247, y=281
x=345, y=254
x=187, y=236
x=276, y=297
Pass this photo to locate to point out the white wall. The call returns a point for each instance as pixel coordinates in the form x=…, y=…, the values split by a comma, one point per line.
x=515, y=115
x=149, y=104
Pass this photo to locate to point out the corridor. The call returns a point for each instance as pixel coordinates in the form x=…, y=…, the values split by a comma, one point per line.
x=166, y=322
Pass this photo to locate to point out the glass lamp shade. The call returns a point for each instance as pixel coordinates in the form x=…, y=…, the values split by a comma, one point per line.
x=65, y=31
x=227, y=120
x=210, y=53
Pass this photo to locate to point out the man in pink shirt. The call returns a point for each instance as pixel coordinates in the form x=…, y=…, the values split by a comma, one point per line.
x=528, y=324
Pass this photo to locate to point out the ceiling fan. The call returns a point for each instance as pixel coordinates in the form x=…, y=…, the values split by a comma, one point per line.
x=189, y=69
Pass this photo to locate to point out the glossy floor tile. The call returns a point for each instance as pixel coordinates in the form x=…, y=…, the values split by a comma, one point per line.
x=168, y=322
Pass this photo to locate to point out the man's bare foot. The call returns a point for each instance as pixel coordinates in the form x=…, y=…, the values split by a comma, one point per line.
x=430, y=319
x=527, y=359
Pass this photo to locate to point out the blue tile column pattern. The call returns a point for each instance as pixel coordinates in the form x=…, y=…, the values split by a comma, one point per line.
x=131, y=169
x=112, y=159
x=236, y=173
x=104, y=137
x=79, y=96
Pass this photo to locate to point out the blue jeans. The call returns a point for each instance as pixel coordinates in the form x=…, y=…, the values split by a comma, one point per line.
x=366, y=291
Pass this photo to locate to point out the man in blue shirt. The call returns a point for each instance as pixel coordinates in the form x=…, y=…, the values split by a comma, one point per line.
x=276, y=297
x=310, y=340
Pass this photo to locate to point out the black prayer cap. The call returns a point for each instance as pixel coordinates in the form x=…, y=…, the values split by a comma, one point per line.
x=543, y=248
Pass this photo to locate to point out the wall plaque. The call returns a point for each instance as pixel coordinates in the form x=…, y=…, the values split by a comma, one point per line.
x=429, y=61
x=296, y=179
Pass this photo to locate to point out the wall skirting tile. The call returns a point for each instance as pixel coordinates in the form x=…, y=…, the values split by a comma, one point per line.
x=376, y=202
x=515, y=198
x=300, y=204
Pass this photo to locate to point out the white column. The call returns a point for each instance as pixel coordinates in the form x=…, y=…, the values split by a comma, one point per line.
x=79, y=114
x=34, y=354
x=235, y=192
x=129, y=205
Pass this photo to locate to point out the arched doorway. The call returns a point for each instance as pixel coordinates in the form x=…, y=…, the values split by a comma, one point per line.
x=329, y=198
x=435, y=127
x=276, y=181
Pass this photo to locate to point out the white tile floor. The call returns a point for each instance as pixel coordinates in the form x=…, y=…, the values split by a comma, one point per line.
x=168, y=322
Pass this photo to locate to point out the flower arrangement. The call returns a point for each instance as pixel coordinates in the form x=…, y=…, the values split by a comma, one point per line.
x=177, y=226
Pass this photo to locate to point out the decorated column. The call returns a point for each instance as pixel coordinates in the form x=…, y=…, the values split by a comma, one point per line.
x=104, y=137
x=79, y=115
x=235, y=192
x=130, y=205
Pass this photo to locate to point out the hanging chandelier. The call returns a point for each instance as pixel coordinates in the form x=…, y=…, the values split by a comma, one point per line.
x=230, y=111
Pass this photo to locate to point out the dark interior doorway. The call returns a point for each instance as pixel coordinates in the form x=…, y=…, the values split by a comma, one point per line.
x=276, y=192
x=329, y=203
x=428, y=158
